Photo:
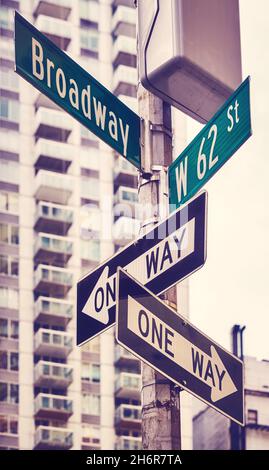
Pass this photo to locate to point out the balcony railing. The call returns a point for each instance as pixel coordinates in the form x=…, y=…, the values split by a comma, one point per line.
x=124, y=358
x=56, y=156
x=128, y=443
x=125, y=174
x=125, y=229
x=52, y=124
x=53, y=187
x=52, y=249
x=128, y=416
x=128, y=385
x=89, y=11
x=125, y=80
x=53, y=8
x=51, y=374
x=123, y=15
x=48, y=437
x=52, y=281
x=53, y=218
x=53, y=311
x=124, y=52
x=53, y=343
x=53, y=406
x=57, y=30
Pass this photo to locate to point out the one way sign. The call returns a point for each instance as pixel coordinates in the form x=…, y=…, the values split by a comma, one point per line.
x=151, y=330
x=171, y=251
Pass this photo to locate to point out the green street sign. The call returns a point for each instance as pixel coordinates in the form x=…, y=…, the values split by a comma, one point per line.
x=56, y=75
x=211, y=148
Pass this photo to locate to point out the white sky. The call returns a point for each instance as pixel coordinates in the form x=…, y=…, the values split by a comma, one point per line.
x=233, y=285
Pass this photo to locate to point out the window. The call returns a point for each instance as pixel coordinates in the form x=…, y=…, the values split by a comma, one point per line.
x=9, y=202
x=8, y=79
x=9, y=328
x=90, y=250
x=90, y=434
x=6, y=18
x=129, y=196
x=14, y=329
x=91, y=404
x=3, y=328
x=9, y=171
x=89, y=40
x=9, y=109
x=9, y=234
x=85, y=371
x=14, y=361
x=9, y=265
x=90, y=372
x=3, y=359
x=14, y=393
x=253, y=416
x=9, y=298
x=92, y=346
x=89, y=188
x=3, y=392
x=89, y=10
x=95, y=373
x=9, y=360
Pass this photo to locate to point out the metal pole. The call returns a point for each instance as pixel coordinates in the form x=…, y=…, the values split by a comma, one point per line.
x=160, y=397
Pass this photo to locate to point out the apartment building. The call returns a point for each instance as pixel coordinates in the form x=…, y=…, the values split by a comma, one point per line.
x=63, y=196
x=213, y=431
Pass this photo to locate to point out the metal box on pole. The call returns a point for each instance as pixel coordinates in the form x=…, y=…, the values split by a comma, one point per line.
x=190, y=54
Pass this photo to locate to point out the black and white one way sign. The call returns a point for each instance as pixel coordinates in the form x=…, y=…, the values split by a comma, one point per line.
x=151, y=330
x=171, y=251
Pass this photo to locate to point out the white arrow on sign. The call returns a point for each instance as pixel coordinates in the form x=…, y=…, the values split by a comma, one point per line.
x=144, y=268
x=207, y=368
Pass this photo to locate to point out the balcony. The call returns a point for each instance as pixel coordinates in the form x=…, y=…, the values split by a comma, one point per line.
x=53, y=218
x=51, y=374
x=53, y=311
x=89, y=12
x=124, y=22
x=126, y=200
x=128, y=416
x=52, y=124
x=53, y=406
x=125, y=229
x=124, y=52
x=53, y=343
x=125, y=81
x=124, y=358
x=54, y=8
x=53, y=187
x=52, y=249
x=125, y=174
x=128, y=385
x=126, y=3
x=53, y=156
x=128, y=443
x=52, y=281
x=57, y=30
x=51, y=438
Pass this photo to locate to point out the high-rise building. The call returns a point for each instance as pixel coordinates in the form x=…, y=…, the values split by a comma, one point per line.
x=213, y=431
x=61, y=191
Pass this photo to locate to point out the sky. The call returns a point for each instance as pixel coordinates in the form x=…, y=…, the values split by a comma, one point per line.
x=232, y=287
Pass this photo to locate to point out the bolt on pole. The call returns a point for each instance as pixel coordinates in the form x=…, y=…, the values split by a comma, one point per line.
x=160, y=396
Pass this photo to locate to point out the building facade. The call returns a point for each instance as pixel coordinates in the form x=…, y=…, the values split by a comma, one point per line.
x=67, y=201
x=212, y=431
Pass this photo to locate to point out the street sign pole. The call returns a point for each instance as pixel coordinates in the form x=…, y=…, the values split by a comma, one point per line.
x=160, y=397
